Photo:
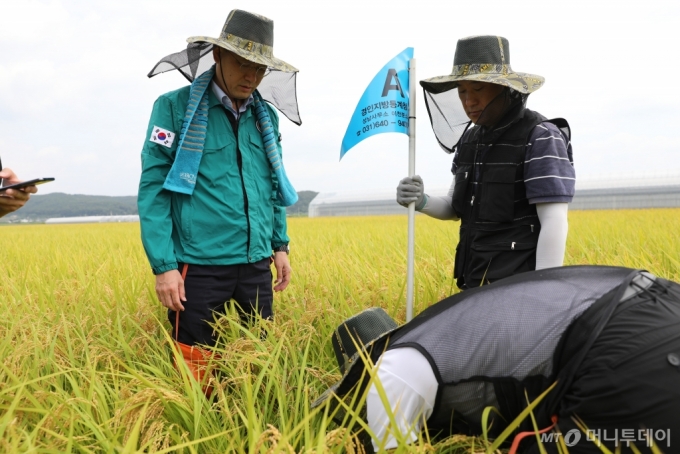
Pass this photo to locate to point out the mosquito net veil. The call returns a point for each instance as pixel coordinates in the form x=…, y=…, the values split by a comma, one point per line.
x=447, y=115
x=277, y=87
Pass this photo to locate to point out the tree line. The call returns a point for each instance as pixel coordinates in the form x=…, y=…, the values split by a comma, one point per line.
x=60, y=205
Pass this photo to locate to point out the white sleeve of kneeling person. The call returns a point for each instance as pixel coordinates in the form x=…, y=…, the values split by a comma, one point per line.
x=410, y=387
x=552, y=239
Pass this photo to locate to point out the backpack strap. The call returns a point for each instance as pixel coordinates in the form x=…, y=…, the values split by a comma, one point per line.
x=563, y=126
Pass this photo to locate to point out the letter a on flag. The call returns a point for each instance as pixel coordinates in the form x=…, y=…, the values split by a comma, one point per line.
x=384, y=105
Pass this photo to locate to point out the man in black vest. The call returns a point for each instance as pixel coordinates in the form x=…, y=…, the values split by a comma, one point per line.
x=609, y=338
x=513, y=170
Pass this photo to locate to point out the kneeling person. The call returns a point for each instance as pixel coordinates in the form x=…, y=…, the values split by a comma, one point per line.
x=608, y=336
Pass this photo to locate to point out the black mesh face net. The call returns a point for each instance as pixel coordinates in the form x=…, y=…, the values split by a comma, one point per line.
x=447, y=117
x=277, y=87
x=449, y=120
x=499, y=106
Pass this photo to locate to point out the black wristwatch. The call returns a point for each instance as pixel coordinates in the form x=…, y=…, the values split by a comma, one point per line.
x=282, y=248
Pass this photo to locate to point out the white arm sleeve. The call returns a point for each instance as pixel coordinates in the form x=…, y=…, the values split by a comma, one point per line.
x=553, y=237
x=410, y=388
x=440, y=207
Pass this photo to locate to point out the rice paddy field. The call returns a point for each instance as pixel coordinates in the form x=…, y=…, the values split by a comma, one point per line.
x=85, y=354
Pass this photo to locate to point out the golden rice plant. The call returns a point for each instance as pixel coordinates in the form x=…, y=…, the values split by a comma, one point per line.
x=85, y=355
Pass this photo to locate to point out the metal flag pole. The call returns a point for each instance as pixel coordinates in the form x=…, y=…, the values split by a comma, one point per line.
x=411, y=172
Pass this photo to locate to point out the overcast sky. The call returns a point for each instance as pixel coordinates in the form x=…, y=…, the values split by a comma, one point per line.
x=75, y=100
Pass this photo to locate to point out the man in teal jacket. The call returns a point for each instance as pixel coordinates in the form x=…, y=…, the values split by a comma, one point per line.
x=212, y=242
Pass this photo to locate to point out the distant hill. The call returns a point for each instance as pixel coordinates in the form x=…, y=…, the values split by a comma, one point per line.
x=60, y=205
x=302, y=205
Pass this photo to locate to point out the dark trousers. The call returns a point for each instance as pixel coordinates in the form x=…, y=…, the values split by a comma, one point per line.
x=209, y=288
x=628, y=386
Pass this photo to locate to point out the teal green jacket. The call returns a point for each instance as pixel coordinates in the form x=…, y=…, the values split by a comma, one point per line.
x=212, y=226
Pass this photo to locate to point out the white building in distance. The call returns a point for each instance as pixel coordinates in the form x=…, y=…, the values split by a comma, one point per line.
x=93, y=219
x=608, y=192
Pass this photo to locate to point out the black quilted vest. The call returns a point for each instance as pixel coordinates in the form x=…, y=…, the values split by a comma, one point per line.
x=499, y=228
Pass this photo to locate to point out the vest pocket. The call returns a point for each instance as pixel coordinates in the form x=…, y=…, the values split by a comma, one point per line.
x=498, y=194
x=459, y=261
x=501, y=253
x=494, y=261
x=462, y=176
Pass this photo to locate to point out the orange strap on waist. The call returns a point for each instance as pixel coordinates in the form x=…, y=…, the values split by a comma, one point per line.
x=184, y=276
x=196, y=358
x=519, y=436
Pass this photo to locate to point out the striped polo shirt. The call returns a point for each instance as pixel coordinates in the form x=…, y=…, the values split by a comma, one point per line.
x=549, y=174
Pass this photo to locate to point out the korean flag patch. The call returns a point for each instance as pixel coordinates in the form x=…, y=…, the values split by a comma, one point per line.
x=162, y=136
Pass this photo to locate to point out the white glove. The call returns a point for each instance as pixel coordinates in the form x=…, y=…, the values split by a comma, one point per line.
x=411, y=189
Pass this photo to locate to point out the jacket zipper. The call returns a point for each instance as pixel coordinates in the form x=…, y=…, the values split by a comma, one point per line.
x=239, y=162
x=473, y=176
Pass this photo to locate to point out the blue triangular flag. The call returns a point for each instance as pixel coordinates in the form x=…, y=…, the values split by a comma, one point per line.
x=384, y=105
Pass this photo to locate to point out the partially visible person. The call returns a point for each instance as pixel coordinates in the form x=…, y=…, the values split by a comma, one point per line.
x=513, y=173
x=13, y=199
x=609, y=337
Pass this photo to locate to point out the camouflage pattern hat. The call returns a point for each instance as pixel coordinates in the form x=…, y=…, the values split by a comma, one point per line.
x=249, y=36
x=483, y=59
x=355, y=336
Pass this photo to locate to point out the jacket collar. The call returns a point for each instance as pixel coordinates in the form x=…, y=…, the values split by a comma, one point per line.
x=214, y=101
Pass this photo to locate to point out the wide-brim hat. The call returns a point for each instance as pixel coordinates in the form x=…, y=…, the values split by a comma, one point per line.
x=483, y=59
x=249, y=36
x=356, y=336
